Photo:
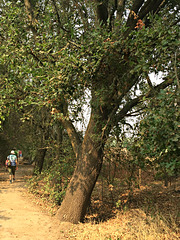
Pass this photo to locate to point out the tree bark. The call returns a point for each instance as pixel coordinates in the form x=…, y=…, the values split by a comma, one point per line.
x=88, y=167
x=39, y=160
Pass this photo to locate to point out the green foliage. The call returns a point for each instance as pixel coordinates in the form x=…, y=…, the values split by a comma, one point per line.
x=53, y=67
x=158, y=140
x=57, y=170
x=52, y=183
x=160, y=131
x=18, y=134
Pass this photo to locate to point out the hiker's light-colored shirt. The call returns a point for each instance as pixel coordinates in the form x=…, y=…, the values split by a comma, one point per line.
x=12, y=159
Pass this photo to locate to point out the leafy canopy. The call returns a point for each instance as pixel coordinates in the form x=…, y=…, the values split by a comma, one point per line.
x=52, y=52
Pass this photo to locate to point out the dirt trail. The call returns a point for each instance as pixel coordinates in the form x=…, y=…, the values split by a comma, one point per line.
x=20, y=217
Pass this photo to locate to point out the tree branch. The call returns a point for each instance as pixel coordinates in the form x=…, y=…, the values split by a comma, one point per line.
x=73, y=135
x=133, y=15
x=140, y=11
x=120, y=8
x=35, y=57
x=115, y=118
x=58, y=17
x=136, y=113
x=82, y=12
x=107, y=127
x=137, y=5
x=102, y=12
x=150, y=6
x=30, y=13
x=134, y=102
x=149, y=81
x=175, y=69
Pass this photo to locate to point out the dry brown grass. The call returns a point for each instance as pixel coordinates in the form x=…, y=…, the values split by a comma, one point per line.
x=151, y=214
x=131, y=225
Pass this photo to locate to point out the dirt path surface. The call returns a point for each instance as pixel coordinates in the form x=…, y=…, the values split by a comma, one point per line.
x=20, y=217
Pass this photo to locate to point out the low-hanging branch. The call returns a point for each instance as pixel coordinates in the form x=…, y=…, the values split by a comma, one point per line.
x=115, y=118
x=129, y=105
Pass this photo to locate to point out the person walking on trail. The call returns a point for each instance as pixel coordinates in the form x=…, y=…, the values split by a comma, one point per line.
x=12, y=165
x=16, y=153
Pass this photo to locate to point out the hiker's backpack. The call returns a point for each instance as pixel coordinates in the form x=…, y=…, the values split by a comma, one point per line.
x=12, y=160
x=8, y=163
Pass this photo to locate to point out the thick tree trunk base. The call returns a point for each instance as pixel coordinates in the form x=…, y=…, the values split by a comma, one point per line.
x=74, y=206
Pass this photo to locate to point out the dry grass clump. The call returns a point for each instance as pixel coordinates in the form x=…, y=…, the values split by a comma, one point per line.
x=152, y=213
x=131, y=225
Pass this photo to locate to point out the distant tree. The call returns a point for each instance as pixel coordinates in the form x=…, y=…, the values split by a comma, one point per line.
x=4, y=148
x=58, y=51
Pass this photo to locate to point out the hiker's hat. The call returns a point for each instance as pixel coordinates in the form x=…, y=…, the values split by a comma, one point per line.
x=12, y=152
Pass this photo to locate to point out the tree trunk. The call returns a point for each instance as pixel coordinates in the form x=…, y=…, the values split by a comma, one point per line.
x=4, y=149
x=39, y=160
x=88, y=166
x=89, y=154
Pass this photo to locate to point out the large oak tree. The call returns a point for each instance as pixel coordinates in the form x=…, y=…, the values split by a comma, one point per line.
x=58, y=52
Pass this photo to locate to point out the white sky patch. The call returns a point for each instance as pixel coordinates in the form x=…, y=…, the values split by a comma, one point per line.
x=156, y=78
x=84, y=114
x=86, y=110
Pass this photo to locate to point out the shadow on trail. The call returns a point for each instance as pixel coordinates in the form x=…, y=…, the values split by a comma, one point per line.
x=3, y=180
x=3, y=217
x=22, y=174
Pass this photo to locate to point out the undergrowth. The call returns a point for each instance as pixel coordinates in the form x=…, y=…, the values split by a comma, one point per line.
x=51, y=184
x=122, y=207
x=152, y=213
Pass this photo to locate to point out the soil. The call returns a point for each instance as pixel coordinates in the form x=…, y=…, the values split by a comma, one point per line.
x=20, y=217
